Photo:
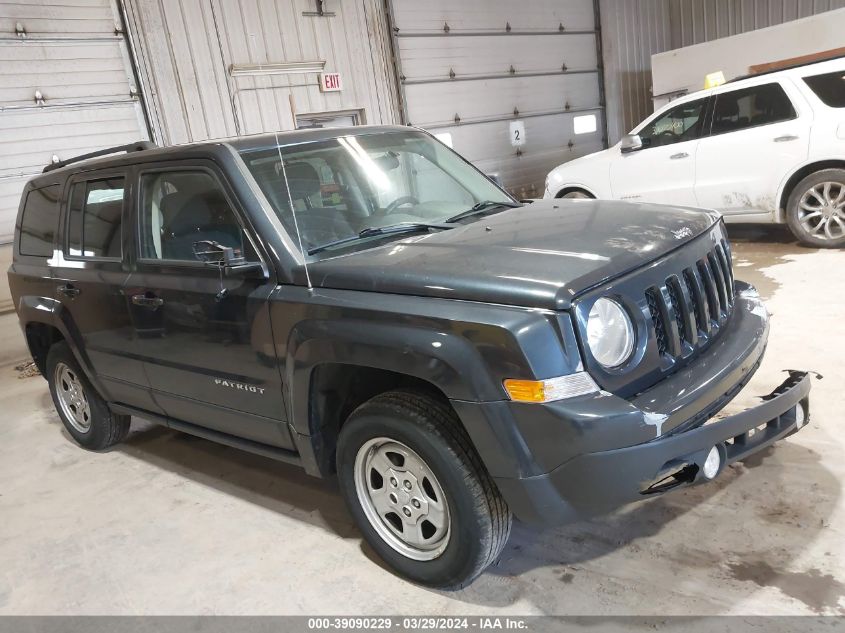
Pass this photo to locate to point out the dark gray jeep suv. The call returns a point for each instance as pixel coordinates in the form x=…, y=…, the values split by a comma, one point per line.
x=366, y=304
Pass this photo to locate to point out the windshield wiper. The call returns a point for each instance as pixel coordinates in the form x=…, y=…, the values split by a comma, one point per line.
x=391, y=229
x=484, y=205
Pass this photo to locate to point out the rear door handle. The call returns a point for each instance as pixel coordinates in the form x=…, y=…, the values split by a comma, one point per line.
x=679, y=155
x=785, y=138
x=69, y=290
x=147, y=301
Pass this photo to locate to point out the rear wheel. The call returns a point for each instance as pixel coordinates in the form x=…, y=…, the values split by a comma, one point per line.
x=84, y=413
x=419, y=492
x=816, y=209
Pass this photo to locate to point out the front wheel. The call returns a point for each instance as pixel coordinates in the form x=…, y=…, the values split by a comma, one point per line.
x=419, y=492
x=577, y=194
x=815, y=210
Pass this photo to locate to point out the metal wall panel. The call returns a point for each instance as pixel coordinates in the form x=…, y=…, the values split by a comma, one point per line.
x=634, y=30
x=470, y=68
x=217, y=68
x=696, y=21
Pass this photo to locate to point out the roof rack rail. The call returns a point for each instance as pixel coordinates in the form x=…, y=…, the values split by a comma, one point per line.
x=138, y=146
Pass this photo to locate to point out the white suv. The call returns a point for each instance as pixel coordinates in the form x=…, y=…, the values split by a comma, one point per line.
x=767, y=148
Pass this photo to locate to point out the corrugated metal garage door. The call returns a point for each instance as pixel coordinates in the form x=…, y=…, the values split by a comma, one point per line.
x=471, y=67
x=216, y=68
x=72, y=53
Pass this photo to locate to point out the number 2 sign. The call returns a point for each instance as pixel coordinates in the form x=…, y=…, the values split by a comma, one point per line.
x=517, y=132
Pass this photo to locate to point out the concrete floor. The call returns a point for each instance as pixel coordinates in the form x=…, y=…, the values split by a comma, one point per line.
x=170, y=524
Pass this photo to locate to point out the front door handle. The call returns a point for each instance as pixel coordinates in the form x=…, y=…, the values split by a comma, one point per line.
x=785, y=138
x=679, y=155
x=69, y=290
x=147, y=301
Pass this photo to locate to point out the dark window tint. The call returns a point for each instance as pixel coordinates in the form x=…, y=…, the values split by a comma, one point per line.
x=39, y=220
x=681, y=123
x=741, y=109
x=94, y=218
x=830, y=88
x=181, y=208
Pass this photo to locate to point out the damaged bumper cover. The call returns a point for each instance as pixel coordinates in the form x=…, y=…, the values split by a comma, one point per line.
x=596, y=483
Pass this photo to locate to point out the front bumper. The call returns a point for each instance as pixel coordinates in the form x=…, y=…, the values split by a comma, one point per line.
x=596, y=483
x=577, y=458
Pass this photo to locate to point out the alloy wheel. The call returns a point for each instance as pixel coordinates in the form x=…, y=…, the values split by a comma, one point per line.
x=402, y=499
x=72, y=398
x=821, y=211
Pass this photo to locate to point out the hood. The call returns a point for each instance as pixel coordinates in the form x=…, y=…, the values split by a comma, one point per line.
x=540, y=255
x=587, y=159
x=578, y=169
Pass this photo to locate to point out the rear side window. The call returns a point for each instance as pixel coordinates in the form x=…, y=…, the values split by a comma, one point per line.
x=38, y=222
x=750, y=107
x=95, y=216
x=830, y=88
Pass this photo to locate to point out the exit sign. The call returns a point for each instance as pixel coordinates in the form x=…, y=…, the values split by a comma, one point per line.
x=330, y=82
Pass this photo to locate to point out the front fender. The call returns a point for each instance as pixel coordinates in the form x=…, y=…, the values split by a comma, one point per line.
x=443, y=359
x=465, y=349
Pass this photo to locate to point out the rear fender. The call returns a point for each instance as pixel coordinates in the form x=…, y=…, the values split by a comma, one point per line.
x=49, y=311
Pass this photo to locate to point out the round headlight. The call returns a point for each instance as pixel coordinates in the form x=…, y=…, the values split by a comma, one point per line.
x=610, y=333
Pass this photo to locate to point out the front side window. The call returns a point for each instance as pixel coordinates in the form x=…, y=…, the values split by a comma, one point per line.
x=339, y=187
x=830, y=88
x=681, y=123
x=181, y=208
x=38, y=222
x=95, y=216
x=750, y=107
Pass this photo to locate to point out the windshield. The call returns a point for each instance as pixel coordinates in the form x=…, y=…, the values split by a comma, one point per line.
x=344, y=187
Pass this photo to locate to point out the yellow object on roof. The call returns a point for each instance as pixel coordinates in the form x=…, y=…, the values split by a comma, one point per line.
x=714, y=79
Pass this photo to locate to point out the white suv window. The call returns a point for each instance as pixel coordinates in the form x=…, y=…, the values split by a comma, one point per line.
x=681, y=123
x=750, y=107
x=830, y=88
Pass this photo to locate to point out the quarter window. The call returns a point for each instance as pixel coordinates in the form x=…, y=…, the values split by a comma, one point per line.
x=830, y=88
x=682, y=123
x=95, y=216
x=38, y=222
x=180, y=208
x=750, y=107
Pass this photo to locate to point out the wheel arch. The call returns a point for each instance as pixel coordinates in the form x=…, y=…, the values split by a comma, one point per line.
x=331, y=369
x=45, y=322
x=571, y=188
x=338, y=389
x=797, y=176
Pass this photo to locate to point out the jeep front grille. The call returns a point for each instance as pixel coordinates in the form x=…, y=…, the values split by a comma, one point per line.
x=691, y=305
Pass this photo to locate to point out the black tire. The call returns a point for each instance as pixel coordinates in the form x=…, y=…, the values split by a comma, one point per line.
x=794, y=210
x=104, y=428
x=480, y=521
x=576, y=194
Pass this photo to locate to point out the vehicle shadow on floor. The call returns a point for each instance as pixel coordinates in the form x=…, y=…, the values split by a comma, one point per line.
x=759, y=515
x=274, y=485
x=764, y=234
x=768, y=493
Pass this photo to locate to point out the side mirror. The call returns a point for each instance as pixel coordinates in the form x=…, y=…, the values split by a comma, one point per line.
x=631, y=143
x=223, y=257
